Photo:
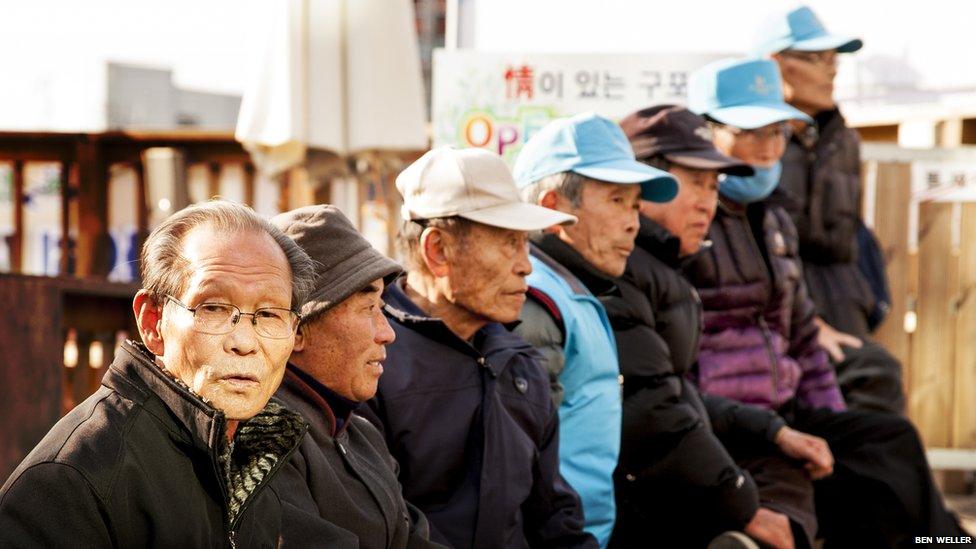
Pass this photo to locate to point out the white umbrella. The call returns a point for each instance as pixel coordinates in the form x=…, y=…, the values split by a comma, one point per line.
x=336, y=75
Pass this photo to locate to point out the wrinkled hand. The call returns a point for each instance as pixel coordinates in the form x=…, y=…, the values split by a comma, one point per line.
x=771, y=528
x=831, y=340
x=813, y=450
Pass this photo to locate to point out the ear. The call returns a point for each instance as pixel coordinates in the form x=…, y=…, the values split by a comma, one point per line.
x=149, y=318
x=300, y=339
x=551, y=199
x=724, y=141
x=432, y=247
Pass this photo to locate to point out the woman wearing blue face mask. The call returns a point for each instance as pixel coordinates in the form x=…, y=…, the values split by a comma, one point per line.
x=759, y=343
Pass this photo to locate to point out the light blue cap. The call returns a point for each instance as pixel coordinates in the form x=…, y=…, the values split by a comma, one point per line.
x=799, y=29
x=745, y=93
x=594, y=147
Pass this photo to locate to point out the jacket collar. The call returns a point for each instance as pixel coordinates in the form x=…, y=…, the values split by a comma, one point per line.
x=261, y=444
x=827, y=123
x=337, y=409
x=493, y=340
x=565, y=255
x=135, y=374
x=657, y=241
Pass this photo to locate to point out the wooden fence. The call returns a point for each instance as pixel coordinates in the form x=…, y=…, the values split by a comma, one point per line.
x=922, y=207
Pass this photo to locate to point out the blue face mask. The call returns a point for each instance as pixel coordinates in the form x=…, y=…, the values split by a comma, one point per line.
x=753, y=188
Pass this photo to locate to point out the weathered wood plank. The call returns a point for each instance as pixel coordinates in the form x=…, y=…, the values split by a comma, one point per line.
x=890, y=226
x=30, y=372
x=931, y=385
x=964, y=374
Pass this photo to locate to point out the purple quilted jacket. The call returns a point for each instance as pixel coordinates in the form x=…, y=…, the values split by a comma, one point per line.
x=760, y=343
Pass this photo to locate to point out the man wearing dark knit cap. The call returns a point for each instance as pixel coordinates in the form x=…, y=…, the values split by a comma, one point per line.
x=340, y=488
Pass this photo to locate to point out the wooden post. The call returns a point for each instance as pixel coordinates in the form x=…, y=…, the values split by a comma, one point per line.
x=213, y=180
x=142, y=209
x=17, y=239
x=249, y=184
x=93, y=258
x=284, y=183
x=931, y=392
x=891, y=205
x=964, y=402
x=66, y=262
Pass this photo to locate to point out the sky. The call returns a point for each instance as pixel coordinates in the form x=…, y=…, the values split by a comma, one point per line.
x=931, y=40
x=53, y=52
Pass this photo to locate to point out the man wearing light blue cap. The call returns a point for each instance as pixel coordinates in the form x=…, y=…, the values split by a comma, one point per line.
x=821, y=189
x=759, y=345
x=584, y=165
x=800, y=30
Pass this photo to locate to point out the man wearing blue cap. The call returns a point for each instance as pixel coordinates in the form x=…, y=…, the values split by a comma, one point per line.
x=871, y=482
x=821, y=189
x=584, y=166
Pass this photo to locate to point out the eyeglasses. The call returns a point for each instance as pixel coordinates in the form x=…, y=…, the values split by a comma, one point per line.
x=221, y=318
x=828, y=57
x=779, y=132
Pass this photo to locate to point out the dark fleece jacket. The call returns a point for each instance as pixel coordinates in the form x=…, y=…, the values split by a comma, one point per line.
x=340, y=488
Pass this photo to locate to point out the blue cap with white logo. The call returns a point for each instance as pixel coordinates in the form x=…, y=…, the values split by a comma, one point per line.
x=745, y=93
x=594, y=147
x=800, y=29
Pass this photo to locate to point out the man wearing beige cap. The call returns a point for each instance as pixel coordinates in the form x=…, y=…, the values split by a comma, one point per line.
x=340, y=488
x=464, y=405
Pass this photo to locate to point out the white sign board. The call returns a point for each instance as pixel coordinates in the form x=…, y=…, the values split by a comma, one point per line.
x=499, y=100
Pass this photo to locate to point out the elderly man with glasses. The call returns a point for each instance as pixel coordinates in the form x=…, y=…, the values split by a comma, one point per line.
x=820, y=187
x=180, y=444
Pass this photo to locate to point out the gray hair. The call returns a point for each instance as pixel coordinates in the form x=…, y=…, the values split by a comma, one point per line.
x=408, y=238
x=165, y=271
x=568, y=184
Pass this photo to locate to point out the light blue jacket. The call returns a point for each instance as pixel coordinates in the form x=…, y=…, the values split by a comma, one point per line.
x=590, y=413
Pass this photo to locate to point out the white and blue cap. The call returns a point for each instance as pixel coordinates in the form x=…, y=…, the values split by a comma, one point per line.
x=745, y=93
x=594, y=147
x=799, y=29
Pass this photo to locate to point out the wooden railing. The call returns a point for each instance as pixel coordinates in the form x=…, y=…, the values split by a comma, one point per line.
x=59, y=333
x=85, y=161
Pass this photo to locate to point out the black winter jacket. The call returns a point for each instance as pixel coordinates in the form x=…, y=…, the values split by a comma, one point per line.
x=671, y=433
x=144, y=462
x=821, y=189
x=342, y=480
x=475, y=433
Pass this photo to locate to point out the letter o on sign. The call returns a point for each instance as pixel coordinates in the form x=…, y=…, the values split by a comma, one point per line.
x=478, y=131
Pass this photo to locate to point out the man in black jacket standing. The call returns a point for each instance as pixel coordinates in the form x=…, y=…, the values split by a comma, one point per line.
x=179, y=446
x=464, y=403
x=692, y=465
x=342, y=477
x=821, y=189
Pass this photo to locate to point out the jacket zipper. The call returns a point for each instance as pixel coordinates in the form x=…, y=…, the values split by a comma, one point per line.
x=349, y=463
x=221, y=480
x=772, y=357
x=763, y=326
x=267, y=480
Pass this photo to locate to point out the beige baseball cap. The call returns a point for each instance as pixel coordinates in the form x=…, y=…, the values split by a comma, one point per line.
x=472, y=183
